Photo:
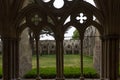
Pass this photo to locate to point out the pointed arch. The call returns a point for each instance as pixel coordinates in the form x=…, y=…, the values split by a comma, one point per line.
x=31, y=8
x=85, y=6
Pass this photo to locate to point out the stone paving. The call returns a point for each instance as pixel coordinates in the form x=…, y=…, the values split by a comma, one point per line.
x=55, y=79
x=65, y=79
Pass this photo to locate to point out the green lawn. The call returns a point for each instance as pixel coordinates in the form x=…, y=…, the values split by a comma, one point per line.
x=71, y=66
x=69, y=61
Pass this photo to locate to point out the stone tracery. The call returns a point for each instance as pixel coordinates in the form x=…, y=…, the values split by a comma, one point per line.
x=106, y=12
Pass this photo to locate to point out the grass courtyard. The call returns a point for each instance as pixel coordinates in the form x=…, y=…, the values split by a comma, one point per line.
x=71, y=66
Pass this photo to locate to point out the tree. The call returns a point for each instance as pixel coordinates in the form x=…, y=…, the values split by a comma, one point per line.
x=47, y=31
x=75, y=34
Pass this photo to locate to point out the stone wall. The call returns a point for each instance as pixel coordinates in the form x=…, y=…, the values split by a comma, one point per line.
x=25, y=54
x=97, y=53
x=89, y=41
x=92, y=46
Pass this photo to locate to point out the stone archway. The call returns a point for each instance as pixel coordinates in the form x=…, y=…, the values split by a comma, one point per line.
x=81, y=15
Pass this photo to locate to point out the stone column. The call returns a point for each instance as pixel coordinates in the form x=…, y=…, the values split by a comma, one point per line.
x=59, y=59
x=111, y=57
x=16, y=46
x=37, y=56
x=102, y=60
x=81, y=60
x=10, y=58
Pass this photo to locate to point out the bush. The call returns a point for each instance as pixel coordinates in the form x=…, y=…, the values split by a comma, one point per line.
x=0, y=72
x=44, y=73
x=69, y=72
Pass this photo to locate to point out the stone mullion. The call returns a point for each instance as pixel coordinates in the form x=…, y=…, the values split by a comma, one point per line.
x=105, y=61
x=13, y=58
x=7, y=73
x=102, y=64
x=10, y=58
x=16, y=46
x=37, y=55
x=112, y=57
x=107, y=58
x=81, y=60
x=62, y=59
x=59, y=60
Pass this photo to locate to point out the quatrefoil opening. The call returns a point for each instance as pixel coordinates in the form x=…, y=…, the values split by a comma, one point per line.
x=81, y=18
x=34, y=19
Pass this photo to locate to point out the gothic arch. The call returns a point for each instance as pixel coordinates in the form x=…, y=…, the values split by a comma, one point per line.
x=99, y=27
x=57, y=25
x=33, y=8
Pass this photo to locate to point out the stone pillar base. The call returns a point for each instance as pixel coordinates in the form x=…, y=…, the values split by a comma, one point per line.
x=60, y=78
x=38, y=78
x=81, y=78
x=102, y=79
x=18, y=78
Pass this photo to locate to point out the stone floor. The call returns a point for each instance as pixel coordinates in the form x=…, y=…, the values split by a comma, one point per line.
x=65, y=79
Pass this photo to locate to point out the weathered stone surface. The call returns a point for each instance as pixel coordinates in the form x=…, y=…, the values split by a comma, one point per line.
x=25, y=53
x=97, y=52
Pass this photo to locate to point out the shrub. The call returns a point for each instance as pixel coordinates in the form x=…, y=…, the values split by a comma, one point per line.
x=69, y=72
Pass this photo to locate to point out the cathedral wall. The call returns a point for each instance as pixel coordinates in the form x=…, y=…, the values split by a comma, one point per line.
x=25, y=54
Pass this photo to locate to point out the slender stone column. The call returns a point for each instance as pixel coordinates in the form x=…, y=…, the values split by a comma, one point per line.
x=15, y=58
x=81, y=60
x=59, y=59
x=6, y=59
x=111, y=57
x=37, y=55
x=16, y=50
x=10, y=58
x=102, y=60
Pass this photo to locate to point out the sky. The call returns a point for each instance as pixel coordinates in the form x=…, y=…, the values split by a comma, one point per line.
x=58, y=4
